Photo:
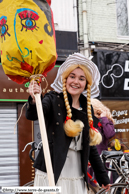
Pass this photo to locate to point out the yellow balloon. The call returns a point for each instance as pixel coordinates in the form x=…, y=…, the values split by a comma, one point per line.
x=27, y=39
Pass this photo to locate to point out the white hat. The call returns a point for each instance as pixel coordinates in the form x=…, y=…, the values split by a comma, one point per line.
x=74, y=59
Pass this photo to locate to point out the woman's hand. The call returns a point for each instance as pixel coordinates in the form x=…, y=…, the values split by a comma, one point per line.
x=34, y=88
x=107, y=187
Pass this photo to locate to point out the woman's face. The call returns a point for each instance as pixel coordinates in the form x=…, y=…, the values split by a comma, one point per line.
x=76, y=82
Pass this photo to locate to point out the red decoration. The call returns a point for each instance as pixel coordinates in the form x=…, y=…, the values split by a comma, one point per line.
x=27, y=67
x=99, y=124
x=67, y=118
x=91, y=126
x=41, y=41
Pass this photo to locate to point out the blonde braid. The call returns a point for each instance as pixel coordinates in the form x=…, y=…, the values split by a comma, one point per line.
x=69, y=114
x=95, y=136
x=89, y=103
x=71, y=128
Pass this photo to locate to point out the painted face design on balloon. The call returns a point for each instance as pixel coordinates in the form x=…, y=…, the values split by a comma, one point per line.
x=3, y=27
x=28, y=19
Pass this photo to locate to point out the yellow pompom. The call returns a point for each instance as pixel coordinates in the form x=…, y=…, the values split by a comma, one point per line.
x=117, y=145
x=73, y=129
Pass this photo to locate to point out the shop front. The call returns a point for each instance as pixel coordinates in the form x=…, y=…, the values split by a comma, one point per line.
x=114, y=88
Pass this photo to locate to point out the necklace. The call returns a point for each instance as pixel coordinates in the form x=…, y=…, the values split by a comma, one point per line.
x=80, y=108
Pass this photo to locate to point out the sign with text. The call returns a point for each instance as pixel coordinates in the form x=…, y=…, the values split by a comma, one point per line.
x=114, y=70
x=120, y=114
x=11, y=91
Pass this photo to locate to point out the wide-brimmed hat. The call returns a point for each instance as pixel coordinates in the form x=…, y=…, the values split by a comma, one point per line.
x=74, y=59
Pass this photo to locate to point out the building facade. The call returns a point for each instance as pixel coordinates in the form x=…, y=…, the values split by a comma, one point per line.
x=107, y=21
x=106, y=27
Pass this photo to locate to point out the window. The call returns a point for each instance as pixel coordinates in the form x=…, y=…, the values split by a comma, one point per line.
x=9, y=161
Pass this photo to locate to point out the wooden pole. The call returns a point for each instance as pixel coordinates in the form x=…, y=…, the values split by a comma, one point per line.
x=44, y=141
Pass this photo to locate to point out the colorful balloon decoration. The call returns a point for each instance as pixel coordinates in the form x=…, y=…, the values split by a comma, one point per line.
x=27, y=38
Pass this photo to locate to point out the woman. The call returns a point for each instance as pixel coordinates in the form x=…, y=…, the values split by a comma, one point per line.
x=69, y=123
x=106, y=124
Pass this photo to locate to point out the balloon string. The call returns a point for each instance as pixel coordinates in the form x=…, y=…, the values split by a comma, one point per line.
x=36, y=77
x=32, y=77
x=32, y=89
x=19, y=118
x=44, y=78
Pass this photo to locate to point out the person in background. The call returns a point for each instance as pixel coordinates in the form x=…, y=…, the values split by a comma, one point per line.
x=69, y=122
x=105, y=125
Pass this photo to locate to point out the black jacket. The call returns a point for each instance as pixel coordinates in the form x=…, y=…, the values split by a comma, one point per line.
x=55, y=115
